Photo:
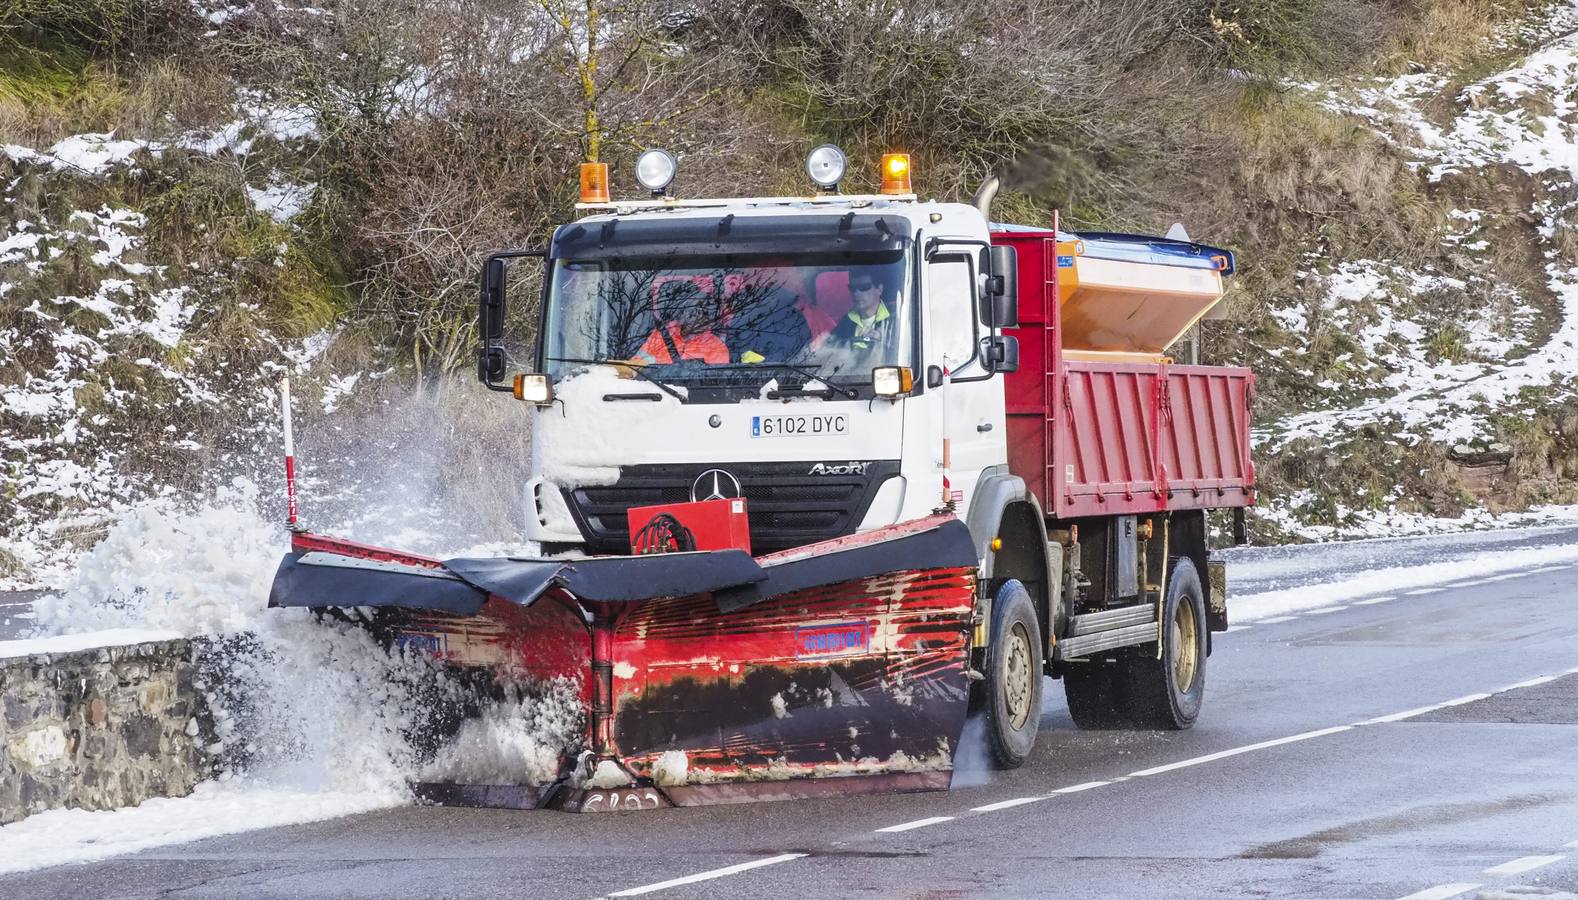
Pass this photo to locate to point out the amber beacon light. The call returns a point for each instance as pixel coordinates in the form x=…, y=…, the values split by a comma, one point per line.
x=895, y=173
x=594, y=182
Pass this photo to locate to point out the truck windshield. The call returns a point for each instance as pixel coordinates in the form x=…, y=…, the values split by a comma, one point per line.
x=733, y=318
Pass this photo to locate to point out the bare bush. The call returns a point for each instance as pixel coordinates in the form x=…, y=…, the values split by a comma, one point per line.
x=449, y=129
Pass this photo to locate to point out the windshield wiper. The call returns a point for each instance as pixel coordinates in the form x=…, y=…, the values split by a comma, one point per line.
x=640, y=372
x=795, y=390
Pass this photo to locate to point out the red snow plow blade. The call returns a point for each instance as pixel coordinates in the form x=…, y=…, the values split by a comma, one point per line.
x=706, y=677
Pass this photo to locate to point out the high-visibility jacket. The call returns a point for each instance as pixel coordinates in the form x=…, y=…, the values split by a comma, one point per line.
x=706, y=346
x=862, y=332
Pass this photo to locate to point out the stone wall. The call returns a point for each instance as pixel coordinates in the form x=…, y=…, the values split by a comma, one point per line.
x=97, y=729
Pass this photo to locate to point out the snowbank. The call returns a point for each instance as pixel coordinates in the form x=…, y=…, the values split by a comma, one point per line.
x=1376, y=582
x=71, y=643
x=65, y=836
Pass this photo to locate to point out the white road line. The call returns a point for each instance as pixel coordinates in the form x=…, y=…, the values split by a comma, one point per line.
x=1247, y=748
x=1084, y=786
x=1400, y=716
x=1232, y=628
x=918, y=823
x=1524, y=864
x=1007, y=804
x=1571, y=845
x=1021, y=801
x=1507, y=576
x=1373, y=600
x=1429, y=590
x=1323, y=610
x=707, y=876
x=1441, y=892
x=1275, y=619
x=1421, y=710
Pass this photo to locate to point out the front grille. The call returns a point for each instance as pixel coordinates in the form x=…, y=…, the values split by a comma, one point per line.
x=787, y=506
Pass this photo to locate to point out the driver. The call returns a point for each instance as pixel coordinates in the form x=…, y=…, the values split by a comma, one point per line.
x=870, y=322
x=687, y=316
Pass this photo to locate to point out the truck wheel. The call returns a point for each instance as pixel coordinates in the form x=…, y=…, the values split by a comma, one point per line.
x=1166, y=693
x=1012, y=698
x=1092, y=689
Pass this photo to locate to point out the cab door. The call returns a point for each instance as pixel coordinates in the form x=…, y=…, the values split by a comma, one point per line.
x=971, y=417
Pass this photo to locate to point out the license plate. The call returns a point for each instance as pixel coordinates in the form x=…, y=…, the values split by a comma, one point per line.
x=799, y=426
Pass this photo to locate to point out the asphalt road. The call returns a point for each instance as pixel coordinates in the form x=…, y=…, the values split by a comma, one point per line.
x=16, y=613
x=1324, y=765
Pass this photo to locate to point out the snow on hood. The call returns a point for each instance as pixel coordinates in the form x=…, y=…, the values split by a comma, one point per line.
x=582, y=440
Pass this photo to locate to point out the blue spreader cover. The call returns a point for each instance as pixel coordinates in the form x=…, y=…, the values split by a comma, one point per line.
x=1140, y=248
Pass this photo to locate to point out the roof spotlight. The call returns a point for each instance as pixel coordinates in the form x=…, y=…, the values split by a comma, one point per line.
x=826, y=166
x=655, y=171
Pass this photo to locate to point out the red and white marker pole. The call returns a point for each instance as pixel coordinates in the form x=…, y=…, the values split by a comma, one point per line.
x=290, y=455
x=947, y=445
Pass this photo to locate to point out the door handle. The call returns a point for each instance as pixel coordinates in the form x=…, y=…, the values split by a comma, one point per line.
x=984, y=427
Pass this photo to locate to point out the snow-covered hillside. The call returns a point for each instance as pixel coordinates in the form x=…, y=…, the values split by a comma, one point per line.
x=156, y=284
x=1467, y=343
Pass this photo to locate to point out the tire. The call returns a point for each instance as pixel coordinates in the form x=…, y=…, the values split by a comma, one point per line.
x=1011, y=696
x=1166, y=694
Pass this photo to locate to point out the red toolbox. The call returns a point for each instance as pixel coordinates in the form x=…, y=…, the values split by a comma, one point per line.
x=678, y=527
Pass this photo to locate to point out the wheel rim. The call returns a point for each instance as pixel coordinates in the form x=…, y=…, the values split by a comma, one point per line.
x=1017, y=683
x=1186, y=646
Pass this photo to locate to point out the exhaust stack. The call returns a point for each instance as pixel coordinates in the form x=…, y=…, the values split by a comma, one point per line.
x=985, y=194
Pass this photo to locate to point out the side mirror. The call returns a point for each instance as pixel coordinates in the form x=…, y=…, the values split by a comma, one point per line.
x=1001, y=303
x=490, y=311
x=1000, y=353
x=491, y=361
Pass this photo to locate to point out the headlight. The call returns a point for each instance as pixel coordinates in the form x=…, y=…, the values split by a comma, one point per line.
x=892, y=381
x=534, y=388
x=826, y=166
x=655, y=170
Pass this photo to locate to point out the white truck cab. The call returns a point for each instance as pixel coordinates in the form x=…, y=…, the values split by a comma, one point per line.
x=775, y=380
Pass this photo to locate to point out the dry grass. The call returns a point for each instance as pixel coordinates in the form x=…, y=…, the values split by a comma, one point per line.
x=1449, y=34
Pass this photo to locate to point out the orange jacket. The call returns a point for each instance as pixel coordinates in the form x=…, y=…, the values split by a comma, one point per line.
x=706, y=346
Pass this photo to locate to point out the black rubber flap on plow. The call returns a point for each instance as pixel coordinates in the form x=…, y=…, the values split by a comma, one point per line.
x=946, y=546
x=320, y=579
x=614, y=579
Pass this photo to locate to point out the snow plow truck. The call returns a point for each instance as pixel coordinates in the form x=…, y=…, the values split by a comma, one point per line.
x=816, y=479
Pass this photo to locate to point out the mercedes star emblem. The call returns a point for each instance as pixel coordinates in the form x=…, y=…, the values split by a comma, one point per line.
x=715, y=484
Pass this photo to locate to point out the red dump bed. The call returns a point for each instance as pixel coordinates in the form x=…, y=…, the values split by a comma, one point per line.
x=1096, y=438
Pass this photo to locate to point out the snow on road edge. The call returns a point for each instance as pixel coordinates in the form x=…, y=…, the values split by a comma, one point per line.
x=64, y=836
x=1252, y=607
x=86, y=640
